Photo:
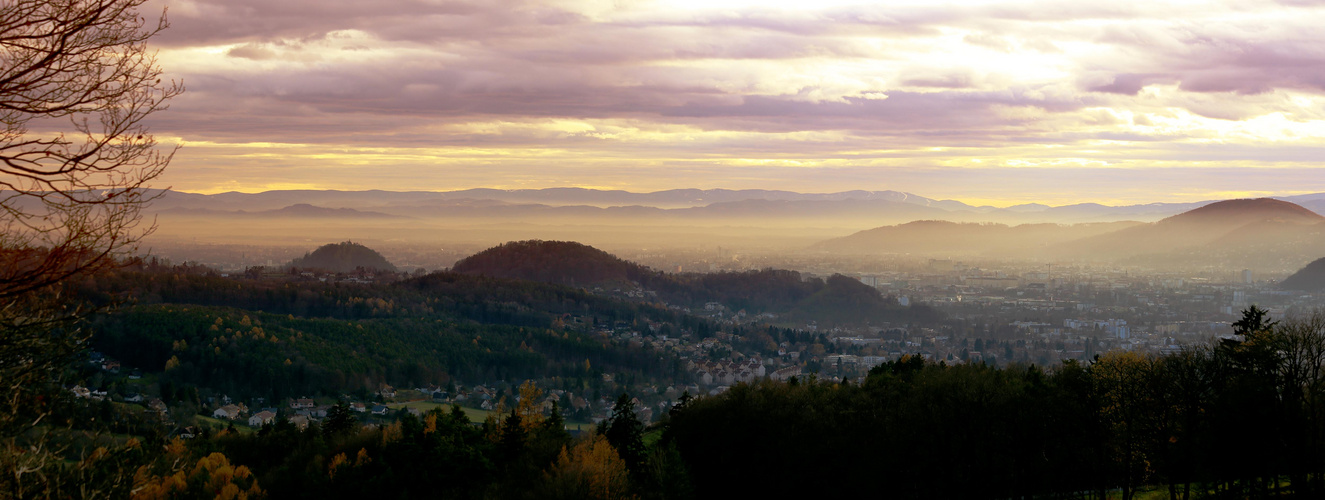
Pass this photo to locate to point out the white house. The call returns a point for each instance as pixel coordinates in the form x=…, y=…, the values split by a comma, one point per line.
x=228, y=412
x=261, y=418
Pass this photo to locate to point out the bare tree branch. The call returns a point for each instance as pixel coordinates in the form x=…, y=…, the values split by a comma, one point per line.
x=77, y=82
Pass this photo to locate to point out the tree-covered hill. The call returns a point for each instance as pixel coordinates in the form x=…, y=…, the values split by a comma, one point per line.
x=838, y=300
x=561, y=262
x=1309, y=279
x=277, y=337
x=343, y=258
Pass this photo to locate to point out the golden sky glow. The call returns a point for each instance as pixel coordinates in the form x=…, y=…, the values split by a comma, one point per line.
x=985, y=102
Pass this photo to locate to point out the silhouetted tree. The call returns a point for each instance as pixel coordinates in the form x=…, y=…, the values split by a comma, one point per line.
x=625, y=432
x=340, y=420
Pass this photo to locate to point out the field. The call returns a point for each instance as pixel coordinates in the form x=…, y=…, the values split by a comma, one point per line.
x=474, y=414
x=216, y=423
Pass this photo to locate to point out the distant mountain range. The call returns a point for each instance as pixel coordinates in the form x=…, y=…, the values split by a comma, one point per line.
x=1229, y=233
x=1276, y=232
x=298, y=210
x=895, y=206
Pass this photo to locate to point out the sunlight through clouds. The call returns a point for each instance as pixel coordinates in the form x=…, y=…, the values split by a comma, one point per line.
x=347, y=91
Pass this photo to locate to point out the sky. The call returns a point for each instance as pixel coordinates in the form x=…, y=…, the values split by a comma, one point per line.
x=987, y=102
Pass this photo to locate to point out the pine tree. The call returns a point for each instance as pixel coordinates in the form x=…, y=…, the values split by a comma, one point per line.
x=625, y=433
x=339, y=420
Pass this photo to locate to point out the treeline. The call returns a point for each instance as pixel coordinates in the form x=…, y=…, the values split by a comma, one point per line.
x=1241, y=419
x=527, y=453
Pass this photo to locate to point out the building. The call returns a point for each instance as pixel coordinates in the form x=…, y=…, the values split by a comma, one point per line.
x=261, y=418
x=228, y=412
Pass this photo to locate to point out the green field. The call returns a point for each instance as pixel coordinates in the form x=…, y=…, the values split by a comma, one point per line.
x=216, y=423
x=474, y=414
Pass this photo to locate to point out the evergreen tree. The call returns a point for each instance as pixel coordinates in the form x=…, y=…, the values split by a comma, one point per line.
x=554, y=421
x=339, y=420
x=625, y=433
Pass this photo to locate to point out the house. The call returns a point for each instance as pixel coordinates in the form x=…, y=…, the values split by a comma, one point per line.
x=578, y=403
x=300, y=422
x=320, y=411
x=81, y=392
x=261, y=418
x=380, y=409
x=301, y=403
x=387, y=391
x=228, y=412
x=158, y=406
x=786, y=373
x=359, y=407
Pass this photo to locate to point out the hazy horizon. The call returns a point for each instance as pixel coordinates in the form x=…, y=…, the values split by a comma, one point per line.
x=974, y=202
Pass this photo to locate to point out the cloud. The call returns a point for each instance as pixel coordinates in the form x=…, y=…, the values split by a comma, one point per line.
x=818, y=84
x=251, y=51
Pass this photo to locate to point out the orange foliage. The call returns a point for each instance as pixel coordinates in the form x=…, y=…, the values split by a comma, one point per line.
x=591, y=469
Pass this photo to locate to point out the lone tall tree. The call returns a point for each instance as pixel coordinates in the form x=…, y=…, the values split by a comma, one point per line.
x=625, y=432
x=76, y=83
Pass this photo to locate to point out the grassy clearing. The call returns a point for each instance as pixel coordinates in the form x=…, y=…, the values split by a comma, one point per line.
x=474, y=414
x=215, y=423
x=652, y=436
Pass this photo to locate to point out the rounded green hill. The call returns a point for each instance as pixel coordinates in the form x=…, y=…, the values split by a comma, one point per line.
x=343, y=258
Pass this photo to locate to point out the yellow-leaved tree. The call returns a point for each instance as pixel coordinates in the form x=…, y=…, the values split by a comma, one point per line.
x=589, y=469
x=210, y=477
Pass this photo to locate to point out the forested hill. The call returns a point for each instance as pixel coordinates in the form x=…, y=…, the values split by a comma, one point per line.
x=280, y=338
x=838, y=300
x=561, y=262
x=343, y=258
x=1310, y=278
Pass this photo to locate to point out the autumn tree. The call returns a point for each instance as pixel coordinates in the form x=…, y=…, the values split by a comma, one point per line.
x=530, y=406
x=591, y=469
